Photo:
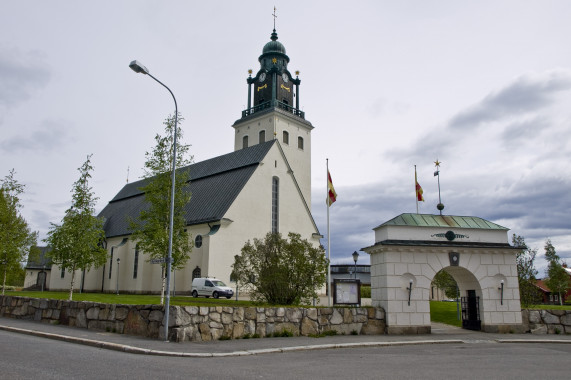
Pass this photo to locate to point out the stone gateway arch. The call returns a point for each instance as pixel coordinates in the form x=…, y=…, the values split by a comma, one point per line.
x=411, y=248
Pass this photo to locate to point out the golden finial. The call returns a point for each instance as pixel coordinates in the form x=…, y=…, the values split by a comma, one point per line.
x=297, y=72
x=250, y=71
x=437, y=163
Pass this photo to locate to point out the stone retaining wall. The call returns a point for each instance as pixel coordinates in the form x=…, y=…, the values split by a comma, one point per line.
x=194, y=323
x=547, y=321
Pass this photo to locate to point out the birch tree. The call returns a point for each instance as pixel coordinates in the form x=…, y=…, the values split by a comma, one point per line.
x=76, y=243
x=151, y=228
x=16, y=238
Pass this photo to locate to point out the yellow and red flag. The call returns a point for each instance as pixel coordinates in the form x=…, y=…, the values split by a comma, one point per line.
x=331, y=194
x=419, y=191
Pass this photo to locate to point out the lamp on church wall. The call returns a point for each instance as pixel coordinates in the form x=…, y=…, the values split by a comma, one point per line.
x=137, y=67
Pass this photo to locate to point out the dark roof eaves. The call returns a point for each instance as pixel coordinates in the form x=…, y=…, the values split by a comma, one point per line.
x=446, y=244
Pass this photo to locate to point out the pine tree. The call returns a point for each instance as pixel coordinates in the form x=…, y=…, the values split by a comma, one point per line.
x=151, y=229
x=76, y=243
x=16, y=238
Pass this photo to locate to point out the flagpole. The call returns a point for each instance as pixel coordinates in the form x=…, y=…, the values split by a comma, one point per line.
x=328, y=237
x=415, y=189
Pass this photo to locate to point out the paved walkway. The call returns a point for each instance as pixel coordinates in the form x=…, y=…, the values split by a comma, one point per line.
x=441, y=334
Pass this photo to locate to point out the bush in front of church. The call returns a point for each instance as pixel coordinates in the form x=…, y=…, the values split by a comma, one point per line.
x=281, y=271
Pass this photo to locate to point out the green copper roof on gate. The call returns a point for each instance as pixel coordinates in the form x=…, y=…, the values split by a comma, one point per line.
x=429, y=220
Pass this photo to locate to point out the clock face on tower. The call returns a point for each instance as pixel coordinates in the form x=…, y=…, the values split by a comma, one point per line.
x=262, y=77
x=285, y=77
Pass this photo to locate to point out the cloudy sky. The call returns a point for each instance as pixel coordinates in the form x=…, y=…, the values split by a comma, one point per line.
x=483, y=86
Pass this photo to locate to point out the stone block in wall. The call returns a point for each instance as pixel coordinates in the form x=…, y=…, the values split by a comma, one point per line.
x=81, y=319
x=204, y=310
x=566, y=319
x=250, y=313
x=153, y=329
x=216, y=317
x=347, y=328
x=227, y=318
x=373, y=327
x=214, y=325
x=192, y=310
x=541, y=329
x=178, y=316
x=293, y=315
x=237, y=330
x=336, y=317
x=261, y=317
x=534, y=316
x=155, y=316
x=549, y=318
x=205, y=332
x=135, y=324
x=249, y=326
x=122, y=312
x=311, y=314
x=238, y=314
x=280, y=312
x=261, y=329
x=347, y=315
x=216, y=333
x=326, y=311
x=92, y=313
x=309, y=327
x=360, y=318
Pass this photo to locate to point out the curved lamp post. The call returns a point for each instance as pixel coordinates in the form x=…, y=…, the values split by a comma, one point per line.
x=137, y=67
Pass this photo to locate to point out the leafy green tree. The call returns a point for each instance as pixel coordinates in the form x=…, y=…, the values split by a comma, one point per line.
x=526, y=272
x=558, y=279
x=281, y=271
x=16, y=238
x=443, y=280
x=76, y=243
x=151, y=229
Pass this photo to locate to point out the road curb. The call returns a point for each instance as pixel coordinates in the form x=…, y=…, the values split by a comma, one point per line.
x=145, y=351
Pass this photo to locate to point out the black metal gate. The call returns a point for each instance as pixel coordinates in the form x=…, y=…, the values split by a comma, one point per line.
x=471, y=311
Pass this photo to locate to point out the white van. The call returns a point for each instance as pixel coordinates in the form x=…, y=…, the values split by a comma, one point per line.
x=210, y=287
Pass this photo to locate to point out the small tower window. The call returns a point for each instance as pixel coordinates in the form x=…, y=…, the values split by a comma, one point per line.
x=300, y=142
x=286, y=137
x=245, y=142
x=262, y=136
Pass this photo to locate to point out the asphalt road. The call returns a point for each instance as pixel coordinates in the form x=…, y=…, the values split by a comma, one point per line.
x=29, y=357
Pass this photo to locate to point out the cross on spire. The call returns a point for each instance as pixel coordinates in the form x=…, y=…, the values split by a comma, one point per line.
x=274, y=15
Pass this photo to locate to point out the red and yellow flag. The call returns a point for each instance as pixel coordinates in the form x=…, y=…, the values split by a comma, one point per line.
x=419, y=191
x=331, y=194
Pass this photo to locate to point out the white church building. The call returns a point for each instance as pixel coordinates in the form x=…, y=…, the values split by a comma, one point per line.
x=263, y=186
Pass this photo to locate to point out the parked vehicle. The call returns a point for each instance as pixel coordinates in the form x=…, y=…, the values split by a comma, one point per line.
x=210, y=287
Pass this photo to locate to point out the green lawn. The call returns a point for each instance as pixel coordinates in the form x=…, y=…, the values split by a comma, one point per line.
x=445, y=312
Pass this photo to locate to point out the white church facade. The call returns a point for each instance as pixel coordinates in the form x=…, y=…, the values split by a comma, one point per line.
x=263, y=186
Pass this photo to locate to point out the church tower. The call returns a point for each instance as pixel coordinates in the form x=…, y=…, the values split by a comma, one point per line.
x=273, y=113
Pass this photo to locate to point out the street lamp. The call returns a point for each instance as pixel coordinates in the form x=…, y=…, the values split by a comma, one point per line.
x=137, y=67
x=355, y=258
x=117, y=284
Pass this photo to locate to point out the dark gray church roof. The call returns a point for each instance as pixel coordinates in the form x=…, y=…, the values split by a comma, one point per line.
x=214, y=184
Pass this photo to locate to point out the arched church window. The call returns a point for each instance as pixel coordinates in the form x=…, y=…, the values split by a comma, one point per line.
x=245, y=142
x=300, y=142
x=198, y=241
x=262, y=136
x=286, y=138
x=196, y=273
x=275, y=204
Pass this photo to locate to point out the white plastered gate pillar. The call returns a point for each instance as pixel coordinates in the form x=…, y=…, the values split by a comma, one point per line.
x=410, y=249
